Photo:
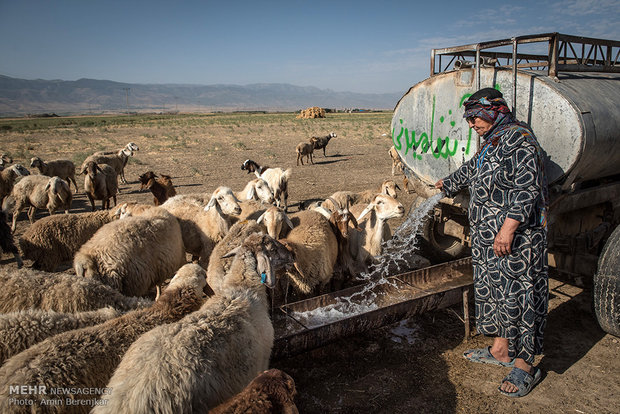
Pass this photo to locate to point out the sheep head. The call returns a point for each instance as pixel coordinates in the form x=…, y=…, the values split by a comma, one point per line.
x=260, y=189
x=385, y=208
x=91, y=169
x=249, y=165
x=57, y=187
x=341, y=217
x=5, y=159
x=226, y=200
x=269, y=255
x=389, y=187
x=132, y=147
x=190, y=275
x=36, y=162
x=145, y=178
x=19, y=170
x=272, y=219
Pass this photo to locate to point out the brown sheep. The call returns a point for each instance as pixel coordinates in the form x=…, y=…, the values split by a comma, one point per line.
x=305, y=149
x=161, y=187
x=271, y=392
x=100, y=183
x=64, y=169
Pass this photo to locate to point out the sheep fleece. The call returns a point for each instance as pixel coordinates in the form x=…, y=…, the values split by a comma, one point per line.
x=60, y=292
x=133, y=254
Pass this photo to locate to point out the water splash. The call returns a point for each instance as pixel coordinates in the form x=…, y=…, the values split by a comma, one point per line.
x=396, y=257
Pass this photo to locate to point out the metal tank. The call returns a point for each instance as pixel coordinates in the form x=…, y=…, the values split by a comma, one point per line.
x=575, y=118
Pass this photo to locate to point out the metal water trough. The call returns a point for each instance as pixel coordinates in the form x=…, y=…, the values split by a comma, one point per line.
x=404, y=295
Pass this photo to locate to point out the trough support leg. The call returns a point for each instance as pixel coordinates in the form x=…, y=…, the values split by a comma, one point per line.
x=466, y=313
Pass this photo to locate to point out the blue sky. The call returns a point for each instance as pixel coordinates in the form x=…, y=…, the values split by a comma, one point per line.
x=358, y=46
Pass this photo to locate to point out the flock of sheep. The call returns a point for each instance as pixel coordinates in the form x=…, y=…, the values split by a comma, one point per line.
x=203, y=343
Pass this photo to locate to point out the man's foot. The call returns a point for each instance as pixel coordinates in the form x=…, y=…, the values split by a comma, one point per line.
x=484, y=356
x=519, y=383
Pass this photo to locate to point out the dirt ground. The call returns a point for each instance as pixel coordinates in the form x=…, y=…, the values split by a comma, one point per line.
x=415, y=365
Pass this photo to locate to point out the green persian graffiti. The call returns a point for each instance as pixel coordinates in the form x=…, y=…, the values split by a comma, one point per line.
x=440, y=147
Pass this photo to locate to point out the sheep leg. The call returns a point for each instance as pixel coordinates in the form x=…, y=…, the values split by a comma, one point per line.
x=16, y=211
x=31, y=213
x=69, y=179
x=92, y=202
x=324, y=152
x=298, y=160
x=311, y=160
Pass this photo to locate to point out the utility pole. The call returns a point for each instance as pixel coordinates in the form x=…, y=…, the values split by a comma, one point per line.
x=127, y=94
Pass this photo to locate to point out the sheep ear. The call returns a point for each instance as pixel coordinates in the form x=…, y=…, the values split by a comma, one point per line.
x=232, y=252
x=210, y=204
x=260, y=219
x=367, y=210
x=48, y=185
x=251, y=193
x=288, y=221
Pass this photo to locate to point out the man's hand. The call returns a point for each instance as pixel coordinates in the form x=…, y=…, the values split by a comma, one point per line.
x=439, y=184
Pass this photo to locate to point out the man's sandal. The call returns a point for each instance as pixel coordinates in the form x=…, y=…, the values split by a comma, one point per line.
x=484, y=356
x=522, y=380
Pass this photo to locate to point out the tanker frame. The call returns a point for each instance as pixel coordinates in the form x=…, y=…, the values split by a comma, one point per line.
x=568, y=90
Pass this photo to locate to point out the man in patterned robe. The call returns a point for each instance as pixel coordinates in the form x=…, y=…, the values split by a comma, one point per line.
x=507, y=214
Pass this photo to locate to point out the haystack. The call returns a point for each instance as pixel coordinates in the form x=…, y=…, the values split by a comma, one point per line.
x=314, y=112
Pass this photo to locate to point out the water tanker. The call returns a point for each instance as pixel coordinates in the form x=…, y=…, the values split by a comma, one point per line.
x=569, y=96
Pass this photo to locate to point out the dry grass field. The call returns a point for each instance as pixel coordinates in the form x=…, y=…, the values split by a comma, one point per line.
x=410, y=367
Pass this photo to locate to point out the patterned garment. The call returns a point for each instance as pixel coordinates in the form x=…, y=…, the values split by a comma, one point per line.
x=511, y=292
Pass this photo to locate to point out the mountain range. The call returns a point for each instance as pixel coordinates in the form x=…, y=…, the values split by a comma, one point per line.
x=20, y=97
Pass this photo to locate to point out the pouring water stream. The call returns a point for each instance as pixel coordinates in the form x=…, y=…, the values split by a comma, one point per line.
x=395, y=252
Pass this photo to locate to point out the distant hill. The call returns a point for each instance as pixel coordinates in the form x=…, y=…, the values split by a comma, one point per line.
x=21, y=97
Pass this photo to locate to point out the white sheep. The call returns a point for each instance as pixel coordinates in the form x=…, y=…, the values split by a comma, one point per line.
x=118, y=160
x=86, y=358
x=21, y=330
x=277, y=178
x=133, y=254
x=100, y=183
x=372, y=220
x=314, y=246
x=55, y=239
x=209, y=356
x=61, y=292
x=64, y=169
x=39, y=191
x=203, y=222
x=387, y=187
x=257, y=189
x=219, y=265
x=8, y=176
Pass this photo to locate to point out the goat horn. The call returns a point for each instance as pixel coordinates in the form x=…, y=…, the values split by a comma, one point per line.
x=336, y=203
x=158, y=289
